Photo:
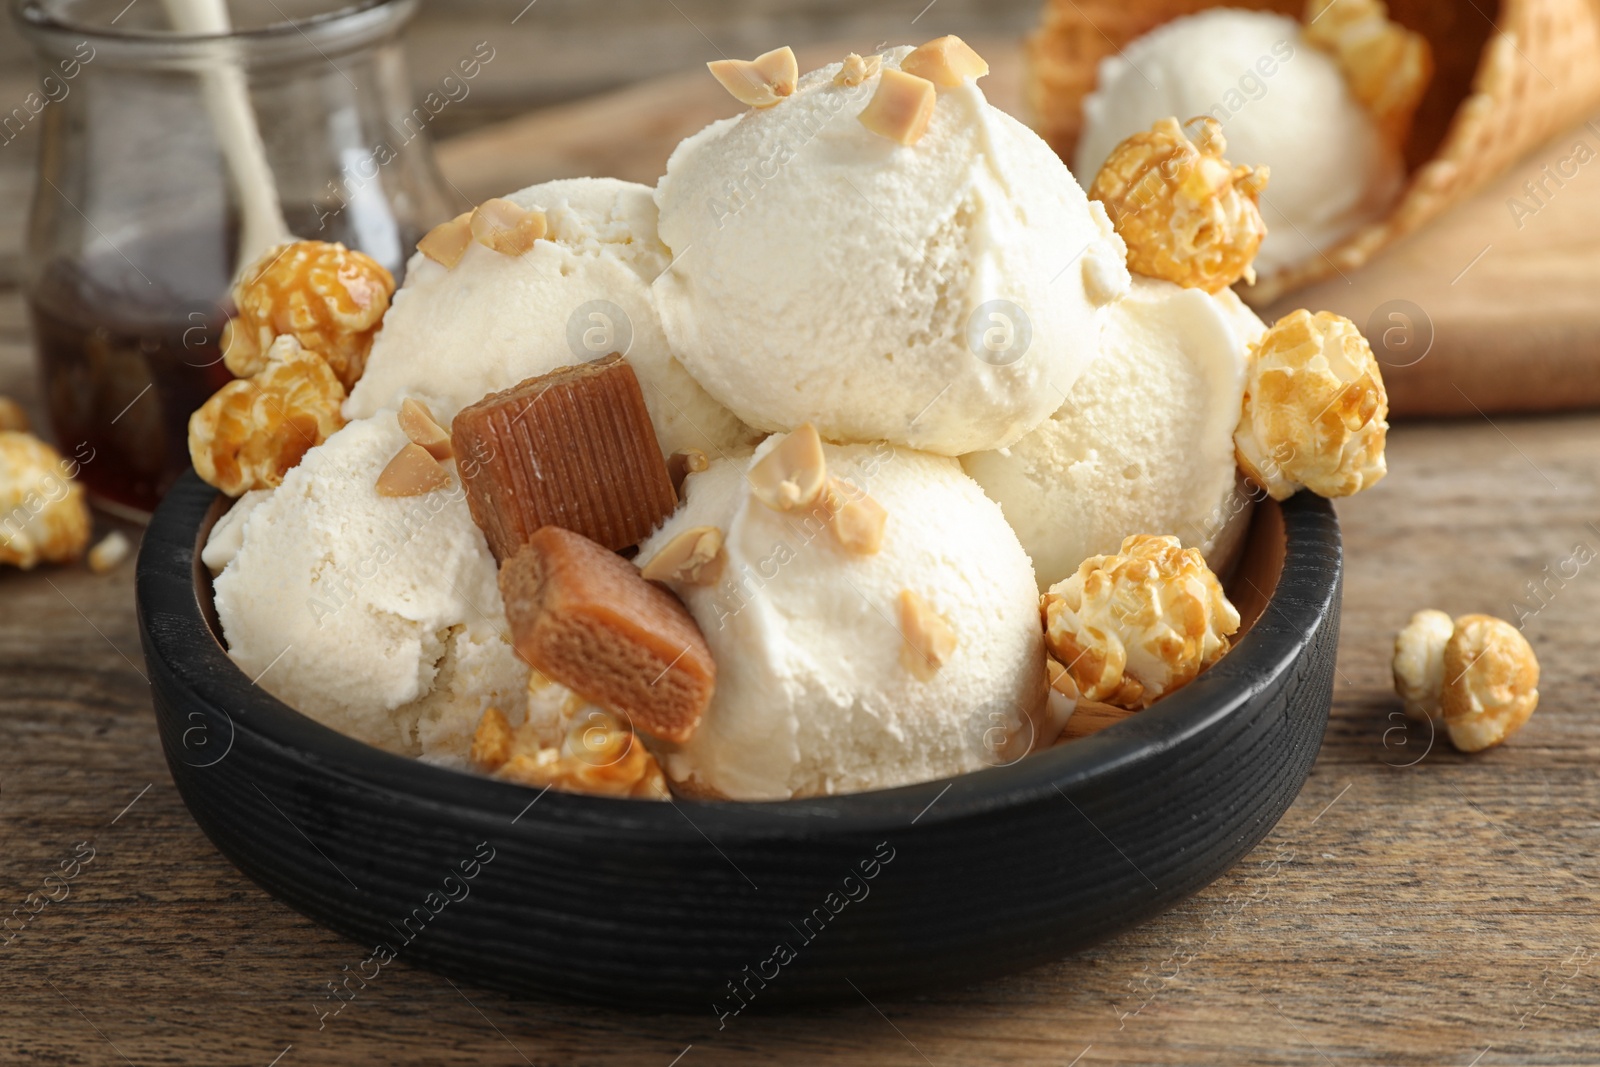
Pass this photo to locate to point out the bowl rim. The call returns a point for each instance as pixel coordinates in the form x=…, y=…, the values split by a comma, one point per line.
x=184, y=650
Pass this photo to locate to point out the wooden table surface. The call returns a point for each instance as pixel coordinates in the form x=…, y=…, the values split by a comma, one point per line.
x=1415, y=906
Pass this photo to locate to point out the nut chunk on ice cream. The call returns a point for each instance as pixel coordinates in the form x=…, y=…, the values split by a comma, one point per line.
x=1143, y=442
x=471, y=320
x=377, y=616
x=841, y=275
x=830, y=677
x=1134, y=626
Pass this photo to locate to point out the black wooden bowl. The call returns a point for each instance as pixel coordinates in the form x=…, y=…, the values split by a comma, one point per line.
x=712, y=906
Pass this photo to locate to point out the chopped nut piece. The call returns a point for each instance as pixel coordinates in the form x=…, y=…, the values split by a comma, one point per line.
x=12, y=418
x=253, y=431
x=694, y=557
x=761, y=82
x=929, y=641
x=1491, y=682
x=585, y=618
x=419, y=425
x=598, y=755
x=412, y=472
x=507, y=227
x=793, y=474
x=858, y=520
x=947, y=62
x=447, y=242
x=329, y=298
x=857, y=69
x=902, y=107
x=43, y=514
x=1419, y=663
x=1315, y=409
x=1134, y=626
x=1185, y=213
x=1387, y=67
x=573, y=448
x=682, y=464
x=112, y=550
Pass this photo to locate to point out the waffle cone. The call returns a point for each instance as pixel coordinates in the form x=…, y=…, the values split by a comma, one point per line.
x=1499, y=90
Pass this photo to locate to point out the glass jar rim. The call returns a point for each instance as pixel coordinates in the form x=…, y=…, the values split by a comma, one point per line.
x=350, y=25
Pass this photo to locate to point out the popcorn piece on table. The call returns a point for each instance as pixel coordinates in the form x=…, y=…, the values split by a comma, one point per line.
x=1419, y=663
x=1134, y=626
x=584, y=617
x=1315, y=409
x=43, y=514
x=1387, y=66
x=254, y=430
x=573, y=448
x=760, y=82
x=111, y=550
x=1481, y=680
x=329, y=298
x=597, y=754
x=1186, y=214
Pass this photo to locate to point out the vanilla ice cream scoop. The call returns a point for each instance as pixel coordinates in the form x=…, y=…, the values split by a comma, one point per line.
x=377, y=616
x=1282, y=103
x=1143, y=444
x=455, y=334
x=846, y=668
x=942, y=295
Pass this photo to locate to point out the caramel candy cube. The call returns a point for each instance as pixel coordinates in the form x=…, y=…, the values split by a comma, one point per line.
x=573, y=448
x=583, y=617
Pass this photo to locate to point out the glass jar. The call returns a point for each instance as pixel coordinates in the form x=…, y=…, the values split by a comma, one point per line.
x=153, y=185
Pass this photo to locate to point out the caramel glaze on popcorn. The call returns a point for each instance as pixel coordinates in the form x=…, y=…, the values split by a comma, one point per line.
x=598, y=755
x=1133, y=626
x=1186, y=214
x=254, y=430
x=1315, y=409
x=43, y=515
x=328, y=297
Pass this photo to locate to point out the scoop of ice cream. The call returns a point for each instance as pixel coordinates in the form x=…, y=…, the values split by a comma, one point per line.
x=933, y=295
x=1282, y=103
x=1143, y=443
x=376, y=616
x=454, y=335
x=830, y=679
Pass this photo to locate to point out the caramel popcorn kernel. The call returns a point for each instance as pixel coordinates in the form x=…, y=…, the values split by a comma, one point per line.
x=760, y=82
x=329, y=298
x=1185, y=213
x=902, y=107
x=253, y=431
x=1132, y=626
x=1491, y=682
x=1315, y=409
x=44, y=517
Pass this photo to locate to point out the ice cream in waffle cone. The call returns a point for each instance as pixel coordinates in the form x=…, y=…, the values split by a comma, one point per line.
x=1507, y=77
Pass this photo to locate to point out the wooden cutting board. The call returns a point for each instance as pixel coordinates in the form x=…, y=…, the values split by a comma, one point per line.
x=1494, y=308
